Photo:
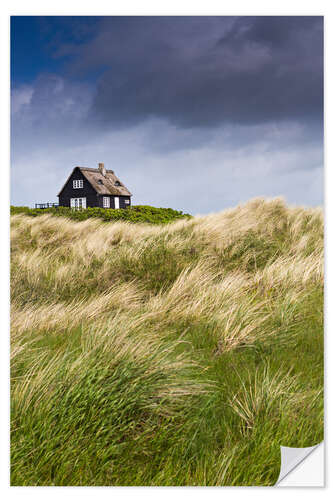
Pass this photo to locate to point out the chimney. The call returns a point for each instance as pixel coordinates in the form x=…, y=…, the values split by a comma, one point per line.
x=101, y=168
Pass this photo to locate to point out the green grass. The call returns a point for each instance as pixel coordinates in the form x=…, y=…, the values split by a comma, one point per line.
x=180, y=354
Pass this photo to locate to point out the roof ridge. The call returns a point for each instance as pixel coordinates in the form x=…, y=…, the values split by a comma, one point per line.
x=96, y=169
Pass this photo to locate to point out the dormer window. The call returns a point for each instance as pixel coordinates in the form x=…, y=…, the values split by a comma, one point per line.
x=117, y=183
x=77, y=184
x=100, y=181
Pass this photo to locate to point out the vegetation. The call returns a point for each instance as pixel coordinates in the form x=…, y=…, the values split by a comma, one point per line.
x=178, y=354
x=137, y=213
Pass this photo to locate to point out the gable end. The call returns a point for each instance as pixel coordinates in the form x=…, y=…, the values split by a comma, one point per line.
x=70, y=177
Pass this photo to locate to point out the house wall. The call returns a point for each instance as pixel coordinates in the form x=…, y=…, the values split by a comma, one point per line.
x=69, y=192
x=122, y=199
x=122, y=203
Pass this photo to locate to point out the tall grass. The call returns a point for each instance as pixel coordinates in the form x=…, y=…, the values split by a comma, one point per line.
x=182, y=354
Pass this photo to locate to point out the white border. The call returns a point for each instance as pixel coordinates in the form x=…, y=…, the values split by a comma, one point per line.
x=145, y=7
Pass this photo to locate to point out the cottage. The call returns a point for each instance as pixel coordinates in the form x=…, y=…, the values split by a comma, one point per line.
x=94, y=187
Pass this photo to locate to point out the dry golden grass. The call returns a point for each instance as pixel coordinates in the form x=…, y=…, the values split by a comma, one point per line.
x=82, y=263
x=134, y=320
x=259, y=392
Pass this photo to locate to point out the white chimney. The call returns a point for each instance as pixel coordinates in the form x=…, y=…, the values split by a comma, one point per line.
x=101, y=168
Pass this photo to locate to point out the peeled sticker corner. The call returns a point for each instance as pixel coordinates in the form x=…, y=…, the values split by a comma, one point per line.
x=291, y=458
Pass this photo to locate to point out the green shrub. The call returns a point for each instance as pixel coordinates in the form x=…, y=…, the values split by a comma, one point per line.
x=135, y=214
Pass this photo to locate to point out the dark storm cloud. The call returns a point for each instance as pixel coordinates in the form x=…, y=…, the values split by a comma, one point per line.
x=195, y=113
x=204, y=71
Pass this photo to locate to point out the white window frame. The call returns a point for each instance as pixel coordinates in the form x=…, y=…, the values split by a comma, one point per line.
x=106, y=202
x=116, y=202
x=78, y=203
x=78, y=184
x=127, y=202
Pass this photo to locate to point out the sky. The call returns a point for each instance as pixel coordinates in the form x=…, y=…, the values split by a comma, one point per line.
x=193, y=113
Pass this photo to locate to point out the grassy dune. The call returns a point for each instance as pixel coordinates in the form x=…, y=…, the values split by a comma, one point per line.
x=182, y=354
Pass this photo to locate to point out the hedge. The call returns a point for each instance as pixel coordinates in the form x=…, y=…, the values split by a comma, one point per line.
x=135, y=214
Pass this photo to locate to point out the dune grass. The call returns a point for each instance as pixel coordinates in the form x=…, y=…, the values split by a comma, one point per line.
x=182, y=354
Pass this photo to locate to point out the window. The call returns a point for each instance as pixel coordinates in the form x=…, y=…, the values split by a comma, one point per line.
x=106, y=202
x=100, y=181
x=78, y=184
x=117, y=183
x=78, y=203
x=127, y=202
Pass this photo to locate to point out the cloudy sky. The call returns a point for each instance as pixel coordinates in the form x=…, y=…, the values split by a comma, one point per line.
x=193, y=113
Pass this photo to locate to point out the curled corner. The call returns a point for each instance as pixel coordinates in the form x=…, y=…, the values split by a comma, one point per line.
x=291, y=458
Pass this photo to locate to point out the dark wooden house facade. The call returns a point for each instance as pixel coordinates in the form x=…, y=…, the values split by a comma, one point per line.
x=94, y=187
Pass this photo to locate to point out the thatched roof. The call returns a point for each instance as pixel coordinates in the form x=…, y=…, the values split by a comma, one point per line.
x=108, y=184
x=103, y=184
